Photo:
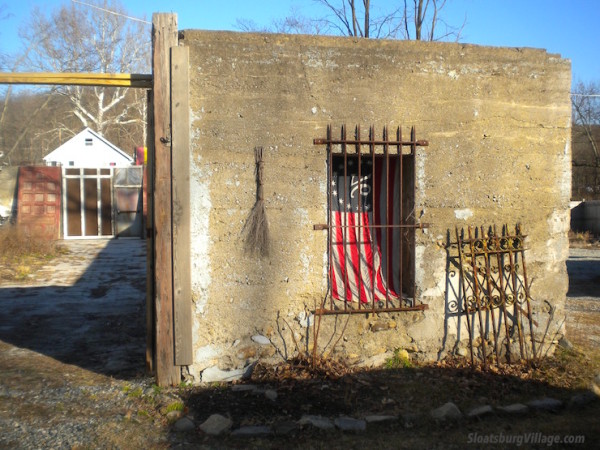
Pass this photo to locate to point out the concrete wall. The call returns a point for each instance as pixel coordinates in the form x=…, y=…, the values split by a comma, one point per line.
x=498, y=124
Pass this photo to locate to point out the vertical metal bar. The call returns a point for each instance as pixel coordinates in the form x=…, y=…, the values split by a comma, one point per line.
x=460, y=244
x=476, y=294
x=330, y=230
x=387, y=216
x=413, y=243
x=513, y=275
x=345, y=216
x=502, y=293
x=490, y=289
x=373, y=199
x=358, y=230
x=401, y=231
x=526, y=287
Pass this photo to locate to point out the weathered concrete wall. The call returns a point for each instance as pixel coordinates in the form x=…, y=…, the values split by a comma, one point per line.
x=498, y=124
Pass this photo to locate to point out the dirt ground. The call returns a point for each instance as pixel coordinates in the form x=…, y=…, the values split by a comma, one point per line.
x=72, y=376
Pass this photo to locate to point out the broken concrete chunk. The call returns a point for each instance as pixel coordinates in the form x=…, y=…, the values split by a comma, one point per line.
x=448, y=411
x=260, y=339
x=216, y=424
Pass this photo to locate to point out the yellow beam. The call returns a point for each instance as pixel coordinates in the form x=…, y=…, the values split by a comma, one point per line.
x=80, y=79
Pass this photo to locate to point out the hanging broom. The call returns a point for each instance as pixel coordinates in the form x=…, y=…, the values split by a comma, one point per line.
x=256, y=227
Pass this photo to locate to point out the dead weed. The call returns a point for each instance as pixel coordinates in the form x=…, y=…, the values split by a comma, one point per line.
x=22, y=254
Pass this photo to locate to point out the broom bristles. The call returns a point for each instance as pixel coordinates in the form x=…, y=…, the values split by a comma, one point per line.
x=256, y=228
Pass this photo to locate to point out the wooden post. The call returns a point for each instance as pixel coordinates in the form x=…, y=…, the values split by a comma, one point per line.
x=164, y=37
x=149, y=179
x=182, y=284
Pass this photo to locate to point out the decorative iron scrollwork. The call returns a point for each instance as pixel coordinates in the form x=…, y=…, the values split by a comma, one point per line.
x=494, y=286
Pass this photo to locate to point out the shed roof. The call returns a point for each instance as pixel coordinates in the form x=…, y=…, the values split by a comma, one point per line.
x=73, y=147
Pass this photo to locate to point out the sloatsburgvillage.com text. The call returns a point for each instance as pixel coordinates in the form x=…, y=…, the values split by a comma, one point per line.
x=524, y=438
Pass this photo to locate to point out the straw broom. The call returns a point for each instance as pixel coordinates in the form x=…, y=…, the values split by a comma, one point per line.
x=256, y=228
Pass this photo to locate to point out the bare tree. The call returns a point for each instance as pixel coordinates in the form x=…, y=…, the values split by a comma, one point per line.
x=586, y=112
x=92, y=37
x=355, y=18
x=411, y=19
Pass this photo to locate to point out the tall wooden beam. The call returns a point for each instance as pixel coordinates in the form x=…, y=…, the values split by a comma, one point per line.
x=136, y=80
x=150, y=303
x=182, y=284
x=164, y=37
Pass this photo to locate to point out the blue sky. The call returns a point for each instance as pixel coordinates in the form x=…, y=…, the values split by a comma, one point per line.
x=567, y=27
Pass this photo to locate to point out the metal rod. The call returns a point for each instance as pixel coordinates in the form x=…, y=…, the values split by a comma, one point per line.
x=321, y=141
x=513, y=275
x=326, y=312
x=502, y=294
x=324, y=226
x=477, y=299
x=413, y=150
x=344, y=216
x=489, y=296
x=373, y=199
x=526, y=287
x=387, y=216
x=358, y=215
x=464, y=291
x=401, y=220
x=329, y=226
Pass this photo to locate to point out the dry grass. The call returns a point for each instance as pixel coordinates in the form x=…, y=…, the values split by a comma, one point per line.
x=583, y=239
x=21, y=254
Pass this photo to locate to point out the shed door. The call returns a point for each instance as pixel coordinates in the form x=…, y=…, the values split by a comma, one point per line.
x=38, y=210
x=127, y=184
x=87, y=203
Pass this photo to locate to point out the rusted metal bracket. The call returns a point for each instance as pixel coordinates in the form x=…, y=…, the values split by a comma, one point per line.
x=324, y=226
x=369, y=309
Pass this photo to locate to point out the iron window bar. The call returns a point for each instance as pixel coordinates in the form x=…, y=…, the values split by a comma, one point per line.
x=404, y=226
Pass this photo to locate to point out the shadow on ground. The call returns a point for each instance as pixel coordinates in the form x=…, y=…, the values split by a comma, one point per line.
x=86, y=308
x=406, y=397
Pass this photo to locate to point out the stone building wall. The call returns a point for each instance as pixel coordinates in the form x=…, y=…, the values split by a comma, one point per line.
x=498, y=125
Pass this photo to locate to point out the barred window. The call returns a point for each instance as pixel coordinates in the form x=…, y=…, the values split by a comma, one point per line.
x=371, y=222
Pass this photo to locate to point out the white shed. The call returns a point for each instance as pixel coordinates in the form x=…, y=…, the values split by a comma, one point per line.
x=88, y=149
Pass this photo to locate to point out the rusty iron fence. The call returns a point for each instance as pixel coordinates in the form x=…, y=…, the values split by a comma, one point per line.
x=494, y=294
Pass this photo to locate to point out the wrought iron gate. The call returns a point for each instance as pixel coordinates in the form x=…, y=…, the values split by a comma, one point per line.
x=494, y=294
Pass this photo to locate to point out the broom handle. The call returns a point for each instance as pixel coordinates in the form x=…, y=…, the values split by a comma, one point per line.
x=258, y=157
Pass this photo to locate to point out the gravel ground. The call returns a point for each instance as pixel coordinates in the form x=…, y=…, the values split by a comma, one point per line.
x=51, y=405
x=72, y=343
x=72, y=373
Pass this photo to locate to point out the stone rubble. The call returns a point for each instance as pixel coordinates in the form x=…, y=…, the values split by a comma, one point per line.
x=217, y=424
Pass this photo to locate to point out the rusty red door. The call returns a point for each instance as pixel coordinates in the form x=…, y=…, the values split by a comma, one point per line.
x=39, y=195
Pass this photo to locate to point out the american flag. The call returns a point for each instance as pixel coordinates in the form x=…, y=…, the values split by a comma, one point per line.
x=363, y=255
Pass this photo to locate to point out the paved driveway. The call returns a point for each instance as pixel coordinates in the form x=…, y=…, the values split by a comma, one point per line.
x=86, y=308
x=583, y=298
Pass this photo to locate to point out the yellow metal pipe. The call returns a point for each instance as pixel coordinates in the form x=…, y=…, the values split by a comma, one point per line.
x=81, y=79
